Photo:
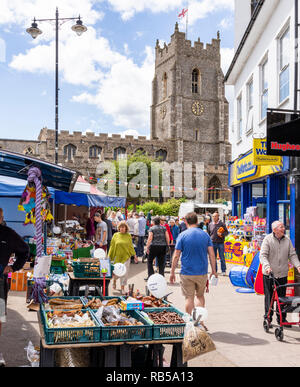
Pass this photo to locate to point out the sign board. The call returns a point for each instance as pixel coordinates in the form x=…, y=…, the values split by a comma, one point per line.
x=283, y=134
x=260, y=156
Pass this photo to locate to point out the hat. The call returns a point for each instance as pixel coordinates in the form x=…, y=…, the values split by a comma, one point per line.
x=141, y=213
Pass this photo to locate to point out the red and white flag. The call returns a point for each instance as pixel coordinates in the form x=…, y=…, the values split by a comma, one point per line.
x=183, y=12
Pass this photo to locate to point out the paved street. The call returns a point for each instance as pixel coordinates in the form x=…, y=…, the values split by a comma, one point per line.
x=234, y=322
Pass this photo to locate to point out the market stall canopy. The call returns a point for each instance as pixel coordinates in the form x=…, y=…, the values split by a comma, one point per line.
x=89, y=200
x=17, y=165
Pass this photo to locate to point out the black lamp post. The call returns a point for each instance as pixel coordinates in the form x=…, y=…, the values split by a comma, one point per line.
x=34, y=31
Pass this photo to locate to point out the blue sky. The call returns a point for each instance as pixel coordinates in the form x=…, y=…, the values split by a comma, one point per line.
x=106, y=74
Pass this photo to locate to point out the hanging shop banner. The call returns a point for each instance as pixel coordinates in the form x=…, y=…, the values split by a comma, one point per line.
x=283, y=138
x=260, y=156
x=243, y=169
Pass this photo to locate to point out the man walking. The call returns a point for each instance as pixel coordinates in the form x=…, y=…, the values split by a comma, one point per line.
x=193, y=245
x=141, y=234
x=276, y=252
x=217, y=230
x=101, y=232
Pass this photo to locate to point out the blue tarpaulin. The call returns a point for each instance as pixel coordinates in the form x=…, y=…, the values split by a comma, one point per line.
x=89, y=200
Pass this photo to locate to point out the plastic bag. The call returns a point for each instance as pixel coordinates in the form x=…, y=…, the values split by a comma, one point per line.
x=33, y=354
x=195, y=342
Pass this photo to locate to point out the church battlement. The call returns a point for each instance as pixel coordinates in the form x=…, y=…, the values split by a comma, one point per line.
x=179, y=43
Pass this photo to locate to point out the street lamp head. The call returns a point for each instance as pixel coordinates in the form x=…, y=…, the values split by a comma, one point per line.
x=34, y=31
x=79, y=28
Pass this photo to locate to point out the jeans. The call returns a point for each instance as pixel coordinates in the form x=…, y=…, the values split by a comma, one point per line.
x=268, y=290
x=140, y=246
x=220, y=247
x=158, y=252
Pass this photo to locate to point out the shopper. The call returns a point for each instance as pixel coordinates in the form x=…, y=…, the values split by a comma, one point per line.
x=101, y=232
x=10, y=243
x=114, y=220
x=109, y=229
x=217, y=230
x=121, y=250
x=193, y=245
x=276, y=252
x=141, y=234
x=175, y=232
x=131, y=221
x=182, y=225
x=157, y=243
x=2, y=217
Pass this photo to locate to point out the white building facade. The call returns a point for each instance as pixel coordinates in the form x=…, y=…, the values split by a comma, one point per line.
x=262, y=73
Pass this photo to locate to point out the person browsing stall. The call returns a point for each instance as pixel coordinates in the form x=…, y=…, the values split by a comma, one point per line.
x=101, y=232
x=121, y=250
x=276, y=252
x=217, y=230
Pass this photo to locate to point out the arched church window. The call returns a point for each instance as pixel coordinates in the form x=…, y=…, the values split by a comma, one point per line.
x=195, y=81
x=161, y=155
x=214, y=189
x=165, y=86
x=119, y=153
x=95, y=151
x=69, y=152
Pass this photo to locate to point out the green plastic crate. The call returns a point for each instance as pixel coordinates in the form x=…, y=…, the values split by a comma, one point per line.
x=82, y=252
x=57, y=269
x=127, y=333
x=71, y=335
x=167, y=331
x=87, y=270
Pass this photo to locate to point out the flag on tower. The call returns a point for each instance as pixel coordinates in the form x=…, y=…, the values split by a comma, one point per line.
x=183, y=12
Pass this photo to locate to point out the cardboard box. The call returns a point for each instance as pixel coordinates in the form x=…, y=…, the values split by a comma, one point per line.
x=132, y=305
x=18, y=281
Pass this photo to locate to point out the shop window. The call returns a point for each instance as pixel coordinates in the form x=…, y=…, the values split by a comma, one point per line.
x=264, y=89
x=258, y=190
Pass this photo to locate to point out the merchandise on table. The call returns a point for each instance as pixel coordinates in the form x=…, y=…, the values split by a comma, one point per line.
x=96, y=302
x=63, y=303
x=69, y=319
x=151, y=302
x=165, y=317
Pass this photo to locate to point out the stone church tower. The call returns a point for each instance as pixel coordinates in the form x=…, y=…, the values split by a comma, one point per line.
x=189, y=108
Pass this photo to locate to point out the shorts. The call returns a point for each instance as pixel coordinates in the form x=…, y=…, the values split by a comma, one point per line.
x=193, y=285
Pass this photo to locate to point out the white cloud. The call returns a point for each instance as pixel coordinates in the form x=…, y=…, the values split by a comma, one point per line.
x=125, y=92
x=225, y=23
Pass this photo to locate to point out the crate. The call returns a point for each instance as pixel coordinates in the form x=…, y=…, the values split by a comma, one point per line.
x=89, y=269
x=167, y=331
x=58, y=262
x=125, y=332
x=71, y=335
x=57, y=269
x=82, y=252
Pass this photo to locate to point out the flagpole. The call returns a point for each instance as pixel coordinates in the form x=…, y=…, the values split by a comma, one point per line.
x=187, y=18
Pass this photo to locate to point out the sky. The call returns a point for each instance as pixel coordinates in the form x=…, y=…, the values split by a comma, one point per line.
x=105, y=75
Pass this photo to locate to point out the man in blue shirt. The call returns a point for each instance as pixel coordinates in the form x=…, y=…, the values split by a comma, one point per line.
x=142, y=230
x=193, y=245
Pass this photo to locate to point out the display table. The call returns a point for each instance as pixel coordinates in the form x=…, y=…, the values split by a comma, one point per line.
x=76, y=283
x=107, y=354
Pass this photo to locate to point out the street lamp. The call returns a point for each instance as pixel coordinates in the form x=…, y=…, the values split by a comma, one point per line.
x=34, y=31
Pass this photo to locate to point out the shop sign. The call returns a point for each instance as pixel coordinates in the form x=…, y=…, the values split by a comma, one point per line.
x=245, y=167
x=283, y=138
x=260, y=156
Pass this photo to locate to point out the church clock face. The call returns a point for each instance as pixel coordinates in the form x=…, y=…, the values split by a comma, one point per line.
x=197, y=108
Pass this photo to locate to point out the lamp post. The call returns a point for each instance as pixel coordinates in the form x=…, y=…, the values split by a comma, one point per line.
x=34, y=31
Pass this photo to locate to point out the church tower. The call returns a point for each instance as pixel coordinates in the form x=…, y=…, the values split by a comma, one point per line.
x=189, y=108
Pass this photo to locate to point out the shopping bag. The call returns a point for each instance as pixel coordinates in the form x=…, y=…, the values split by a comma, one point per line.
x=195, y=342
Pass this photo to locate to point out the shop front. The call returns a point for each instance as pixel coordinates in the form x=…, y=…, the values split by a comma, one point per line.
x=264, y=188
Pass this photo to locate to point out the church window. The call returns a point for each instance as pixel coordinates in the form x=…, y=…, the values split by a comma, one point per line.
x=165, y=86
x=161, y=155
x=95, y=151
x=195, y=81
x=69, y=152
x=119, y=153
x=214, y=189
